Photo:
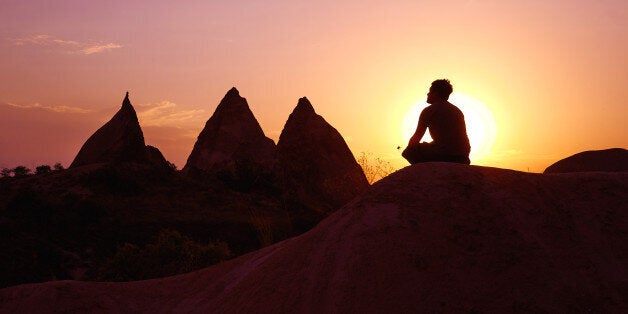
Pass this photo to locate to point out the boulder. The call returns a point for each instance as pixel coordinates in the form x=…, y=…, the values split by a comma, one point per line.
x=607, y=160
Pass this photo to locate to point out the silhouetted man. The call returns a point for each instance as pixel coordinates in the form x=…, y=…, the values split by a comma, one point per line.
x=447, y=128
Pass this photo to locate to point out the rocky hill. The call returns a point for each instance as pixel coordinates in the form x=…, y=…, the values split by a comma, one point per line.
x=432, y=237
x=607, y=160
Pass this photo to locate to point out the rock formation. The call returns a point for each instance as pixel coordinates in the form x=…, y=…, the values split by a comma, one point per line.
x=155, y=157
x=120, y=139
x=430, y=238
x=608, y=160
x=232, y=140
x=316, y=160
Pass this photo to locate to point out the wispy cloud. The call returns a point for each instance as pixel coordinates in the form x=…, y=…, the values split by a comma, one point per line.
x=60, y=109
x=88, y=50
x=166, y=113
x=68, y=46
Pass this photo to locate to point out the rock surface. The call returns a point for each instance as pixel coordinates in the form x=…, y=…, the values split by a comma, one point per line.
x=120, y=139
x=232, y=137
x=316, y=159
x=155, y=157
x=608, y=160
x=433, y=237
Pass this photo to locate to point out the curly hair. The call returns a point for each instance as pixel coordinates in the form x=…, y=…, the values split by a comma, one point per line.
x=442, y=88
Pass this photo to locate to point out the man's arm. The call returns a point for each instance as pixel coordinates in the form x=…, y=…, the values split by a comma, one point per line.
x=420, y=130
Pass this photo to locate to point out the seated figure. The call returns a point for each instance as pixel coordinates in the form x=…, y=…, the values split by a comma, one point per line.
x=447, y=128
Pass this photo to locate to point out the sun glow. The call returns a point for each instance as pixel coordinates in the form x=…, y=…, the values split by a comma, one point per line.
x=481, y=127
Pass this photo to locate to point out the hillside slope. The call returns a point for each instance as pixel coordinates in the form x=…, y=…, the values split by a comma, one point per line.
x=430, y=238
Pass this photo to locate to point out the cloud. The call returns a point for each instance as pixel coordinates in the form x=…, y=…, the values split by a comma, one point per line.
x=34, y=39
x=167, y=114
x=99, y=48
x=69, y=46
x=60, y=109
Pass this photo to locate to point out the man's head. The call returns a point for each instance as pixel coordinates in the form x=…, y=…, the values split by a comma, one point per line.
x=440, y=90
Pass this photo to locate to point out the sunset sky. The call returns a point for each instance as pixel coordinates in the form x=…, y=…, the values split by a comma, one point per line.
x=552, y=75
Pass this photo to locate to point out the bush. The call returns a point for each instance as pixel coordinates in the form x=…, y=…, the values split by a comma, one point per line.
x=374, y=169
x=6, y=172
x=42, y=169
x=21, y=171
x=170, y=254
x=58, y=166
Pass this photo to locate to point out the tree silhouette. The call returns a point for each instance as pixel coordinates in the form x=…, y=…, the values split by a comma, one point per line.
x=58, y=166
x=21, y=171
x=6, y=172
x=42, y=169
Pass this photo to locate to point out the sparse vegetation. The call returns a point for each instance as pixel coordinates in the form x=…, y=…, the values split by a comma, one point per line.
x=6, y=172
x=374, y=168
x=21, y=171
x=93, y=223
x=170, y=254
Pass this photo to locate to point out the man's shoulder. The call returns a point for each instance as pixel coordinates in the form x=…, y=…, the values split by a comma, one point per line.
x=453, y=107
x=427, y=112
x=428, y=109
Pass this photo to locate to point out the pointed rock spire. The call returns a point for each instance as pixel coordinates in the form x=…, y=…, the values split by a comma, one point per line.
x=232, y=137
x=316, y=159
x=120, y=139
x=233, y=92
x=304, y=106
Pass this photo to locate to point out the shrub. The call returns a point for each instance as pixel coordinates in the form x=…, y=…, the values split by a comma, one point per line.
x=6, y=172
x=42, y=169
x=171, y=253
x=374, y=169
x=21, y=171
x=58, y=166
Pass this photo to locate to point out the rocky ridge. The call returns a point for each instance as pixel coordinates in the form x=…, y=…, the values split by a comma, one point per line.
x=607, y=160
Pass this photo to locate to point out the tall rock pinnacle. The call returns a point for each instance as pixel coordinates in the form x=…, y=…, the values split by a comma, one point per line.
x=120, y=139
x=232, y=138
x=316, y=159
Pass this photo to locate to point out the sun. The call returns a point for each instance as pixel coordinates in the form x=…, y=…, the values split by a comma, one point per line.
x=481, y=127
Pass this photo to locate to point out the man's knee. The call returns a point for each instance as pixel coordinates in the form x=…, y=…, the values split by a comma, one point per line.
x=418, y=153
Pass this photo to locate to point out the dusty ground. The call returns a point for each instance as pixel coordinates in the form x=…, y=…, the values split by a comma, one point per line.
x=430, y=238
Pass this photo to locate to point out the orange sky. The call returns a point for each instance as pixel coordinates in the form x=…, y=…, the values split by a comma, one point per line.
x=554, y=75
